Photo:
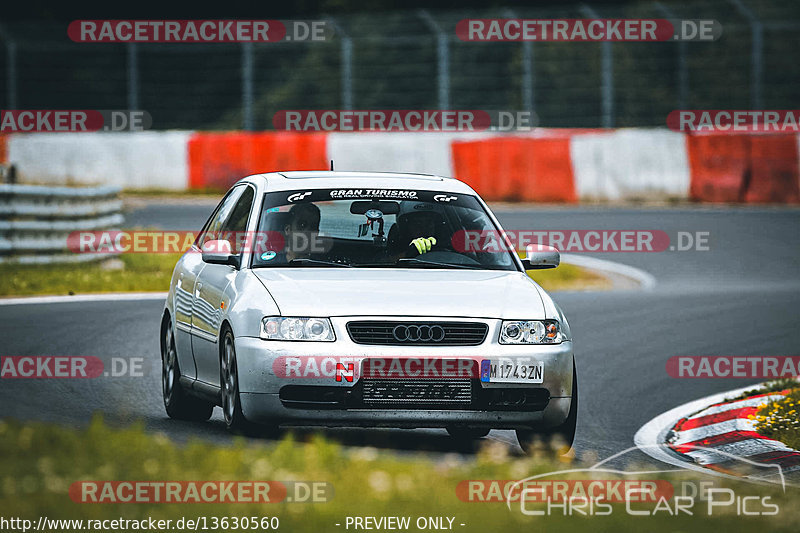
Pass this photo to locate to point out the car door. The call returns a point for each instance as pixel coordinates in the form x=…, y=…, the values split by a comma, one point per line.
x=211, y=284
x=189, y=268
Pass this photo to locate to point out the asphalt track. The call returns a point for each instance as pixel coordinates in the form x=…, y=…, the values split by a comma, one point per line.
x=738, y=298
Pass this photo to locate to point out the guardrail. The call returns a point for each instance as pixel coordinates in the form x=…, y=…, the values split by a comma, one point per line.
x=8, y=173
x=35, y=221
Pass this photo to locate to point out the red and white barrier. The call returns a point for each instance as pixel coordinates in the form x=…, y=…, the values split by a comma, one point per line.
x=517, y=168
x=721, y=433
x=423, y=152
x=753, y=168
x=542, y=166
x=217, y=160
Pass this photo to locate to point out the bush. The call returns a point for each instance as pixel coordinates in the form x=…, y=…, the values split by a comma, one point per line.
x=779, y=419
x=40, y=463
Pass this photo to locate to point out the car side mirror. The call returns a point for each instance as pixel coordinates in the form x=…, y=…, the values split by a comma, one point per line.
x=219, y=253
x=540, y=256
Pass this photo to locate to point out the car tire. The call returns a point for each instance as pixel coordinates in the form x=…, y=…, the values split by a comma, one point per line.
x=463, y=433
x=562, y=435
x=235, y=420
x=178, y=404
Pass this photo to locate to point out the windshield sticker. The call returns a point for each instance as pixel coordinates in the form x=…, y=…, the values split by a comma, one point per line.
x=268, y=256
x=298, y=196
x=444, y=198
x=439, y=198
x=373, y=193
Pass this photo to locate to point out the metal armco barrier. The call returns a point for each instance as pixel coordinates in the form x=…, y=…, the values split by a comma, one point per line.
x=35, y=221
x=8, y=174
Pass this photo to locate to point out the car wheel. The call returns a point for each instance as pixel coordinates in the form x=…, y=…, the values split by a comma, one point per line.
x=229, y=378
x=563, y=436
x=178, y=404
x=463, y=433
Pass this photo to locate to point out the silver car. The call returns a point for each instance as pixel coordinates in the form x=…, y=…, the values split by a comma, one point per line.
x=365, y=299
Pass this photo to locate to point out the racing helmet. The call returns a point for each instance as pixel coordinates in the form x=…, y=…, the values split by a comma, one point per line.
x=418, y=219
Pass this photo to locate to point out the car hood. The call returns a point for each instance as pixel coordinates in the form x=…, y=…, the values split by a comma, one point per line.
x=402, y=292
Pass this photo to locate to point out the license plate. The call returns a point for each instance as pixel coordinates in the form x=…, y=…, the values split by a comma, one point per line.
x=507, y=371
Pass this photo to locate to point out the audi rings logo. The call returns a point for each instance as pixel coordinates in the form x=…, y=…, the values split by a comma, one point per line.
x=422, y=333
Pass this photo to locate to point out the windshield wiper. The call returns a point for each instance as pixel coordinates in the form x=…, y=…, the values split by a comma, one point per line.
x=417, y=261
x=309, y=261
x=374, y=265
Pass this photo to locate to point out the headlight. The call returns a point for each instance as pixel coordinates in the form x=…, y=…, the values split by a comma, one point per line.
x=281, y=328
x=530, y=332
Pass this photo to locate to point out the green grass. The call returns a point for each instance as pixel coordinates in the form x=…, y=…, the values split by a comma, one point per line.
x=141, y=273
x=40, y=462
x=776, y=385
x=780, y=419
x=569, y=278
x=152, y=272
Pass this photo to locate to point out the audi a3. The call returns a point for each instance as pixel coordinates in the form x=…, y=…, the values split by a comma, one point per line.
x=365, y=299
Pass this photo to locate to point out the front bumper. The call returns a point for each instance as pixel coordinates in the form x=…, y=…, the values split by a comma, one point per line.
x=262, y=399
x=268, y=409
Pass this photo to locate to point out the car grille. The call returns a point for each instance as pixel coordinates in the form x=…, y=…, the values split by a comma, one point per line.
x=418, y=333
x=417, y=393
x=458, y=394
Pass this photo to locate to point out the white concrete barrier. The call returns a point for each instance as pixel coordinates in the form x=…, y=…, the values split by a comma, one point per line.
x=630, y=164
x=129, y=160
x=422, y=152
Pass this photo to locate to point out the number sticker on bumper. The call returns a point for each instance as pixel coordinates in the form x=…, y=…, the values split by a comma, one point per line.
x=508, y=371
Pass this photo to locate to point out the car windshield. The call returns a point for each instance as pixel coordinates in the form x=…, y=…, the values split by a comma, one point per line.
x=334, y=228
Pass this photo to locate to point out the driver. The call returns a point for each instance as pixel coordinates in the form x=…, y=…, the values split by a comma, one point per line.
x=301, y=230
x=420, y=227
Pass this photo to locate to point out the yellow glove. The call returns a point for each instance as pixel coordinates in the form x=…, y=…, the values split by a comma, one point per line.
x=423, y=244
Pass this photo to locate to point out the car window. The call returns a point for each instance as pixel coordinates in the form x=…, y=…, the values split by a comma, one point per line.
x=235, y=227
x=214, y=225
x=376, y=228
